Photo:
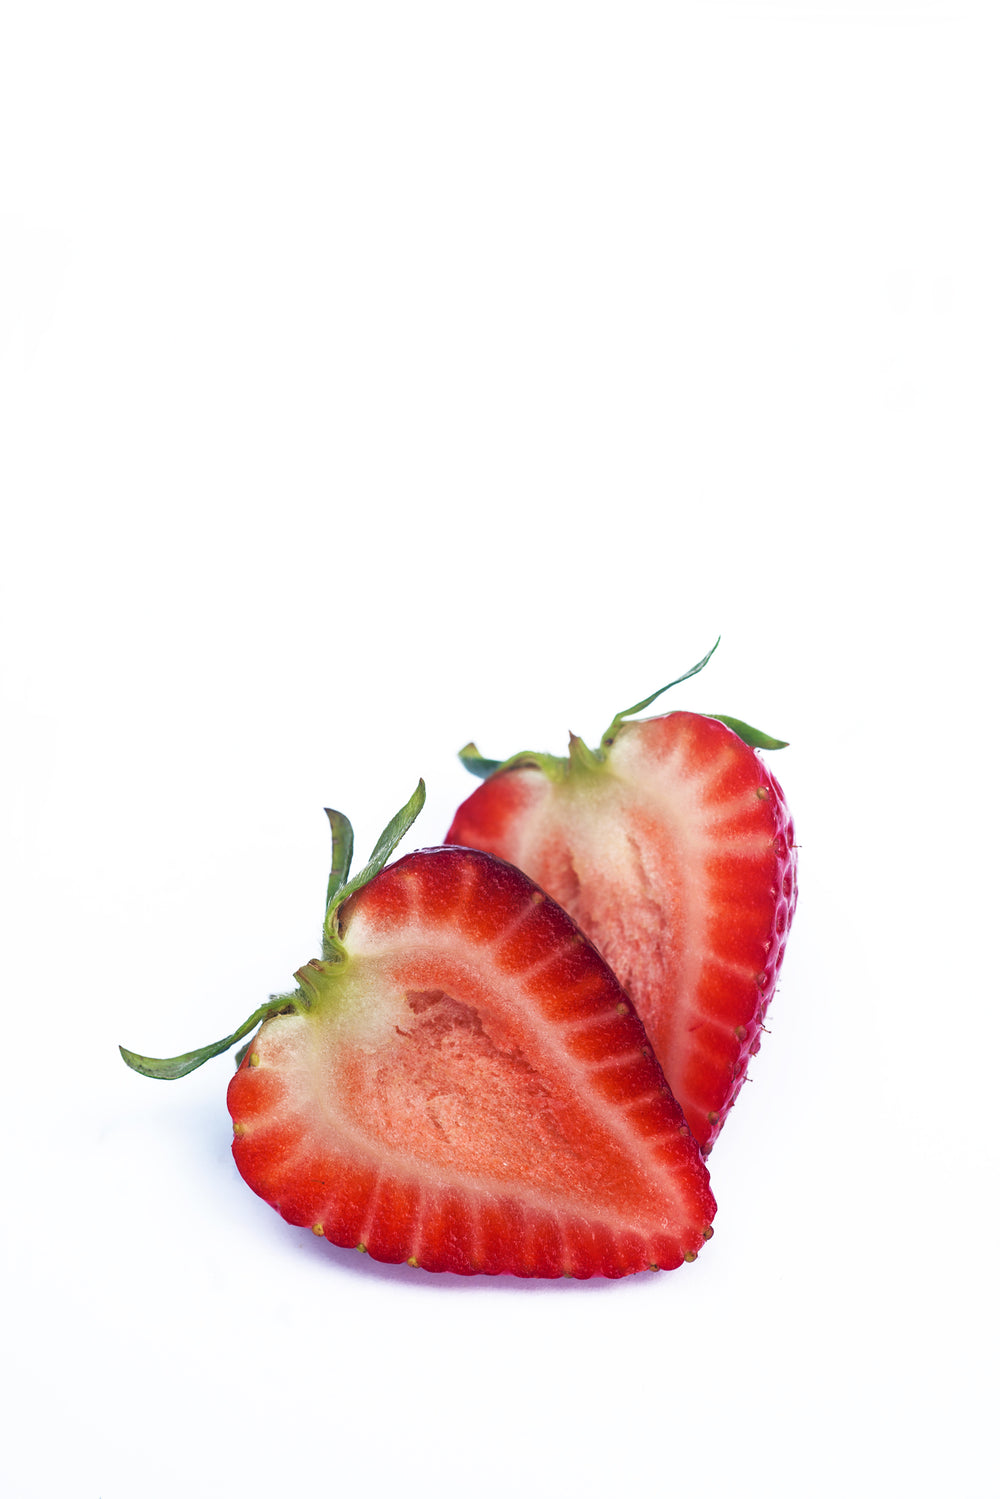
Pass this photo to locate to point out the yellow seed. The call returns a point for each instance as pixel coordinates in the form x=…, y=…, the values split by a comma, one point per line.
x=622, y=1009
x=537, y=897
x=763, y=793
x=713, y=1117
x=318, y=1230
x=707, y=1233
x=239, y=1129
x=690, y=1256
x=412, y=1261
x=654, y=1267
x=254, y=1059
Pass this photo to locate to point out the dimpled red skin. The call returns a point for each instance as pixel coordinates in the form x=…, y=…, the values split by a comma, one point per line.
x=478, y=1097
x=676, y=858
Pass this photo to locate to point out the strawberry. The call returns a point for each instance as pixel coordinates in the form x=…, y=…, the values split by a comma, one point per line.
x=671, y=846
x=461, y=1083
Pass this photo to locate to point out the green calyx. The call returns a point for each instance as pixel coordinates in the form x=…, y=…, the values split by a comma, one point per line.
x=314, y=978
x=169, y=1068
x=614, y=728
x=756, y=738
x=339, y=888
x=554, y=766
x=583, y=760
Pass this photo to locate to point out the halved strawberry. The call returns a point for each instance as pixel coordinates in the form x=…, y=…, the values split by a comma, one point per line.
x=671, y=845
x=461, y=1083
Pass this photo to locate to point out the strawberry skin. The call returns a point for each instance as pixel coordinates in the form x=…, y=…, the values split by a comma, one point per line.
x=671, y=846
x=465, y=1086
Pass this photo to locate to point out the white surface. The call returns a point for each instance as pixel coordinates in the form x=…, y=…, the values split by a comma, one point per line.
x=377, y=376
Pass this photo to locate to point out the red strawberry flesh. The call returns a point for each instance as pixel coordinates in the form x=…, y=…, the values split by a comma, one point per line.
x=469, y=1090
x=674, y=854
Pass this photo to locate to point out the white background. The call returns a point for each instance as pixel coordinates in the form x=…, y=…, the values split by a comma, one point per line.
x=375, y=376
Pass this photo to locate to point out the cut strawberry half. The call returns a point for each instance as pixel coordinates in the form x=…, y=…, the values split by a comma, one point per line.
x=671, y=846
x=461, y=1083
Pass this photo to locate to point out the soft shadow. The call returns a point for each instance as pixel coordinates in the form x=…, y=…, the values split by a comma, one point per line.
x=350, y=1262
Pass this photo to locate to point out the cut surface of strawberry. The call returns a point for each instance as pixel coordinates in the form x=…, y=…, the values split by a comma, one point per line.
x=462, y=1084
x=671, y=846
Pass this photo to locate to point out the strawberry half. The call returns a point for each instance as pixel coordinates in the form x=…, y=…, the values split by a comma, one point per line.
x=671, y=846
x=461, y=1083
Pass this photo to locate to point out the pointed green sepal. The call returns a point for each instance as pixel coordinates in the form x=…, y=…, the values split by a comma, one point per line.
x=553, y=766
x=754, y=737
x=395, y=829
x=390, y=836
x=616, y=723
x=343, y=852
x=169, y=1068
x=581, y=756
x=475, y=764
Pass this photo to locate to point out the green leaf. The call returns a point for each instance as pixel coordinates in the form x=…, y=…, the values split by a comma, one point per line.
x=619, y=718
x=581, y=757
x=170, y=1068
x=343, y=850
x=394, y=830
x=475, y=764
x=337, y=892
x=754, y=737
x=553, y=766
